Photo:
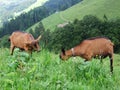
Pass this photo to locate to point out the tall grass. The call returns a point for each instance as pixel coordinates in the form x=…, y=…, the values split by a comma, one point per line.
x=45, y=71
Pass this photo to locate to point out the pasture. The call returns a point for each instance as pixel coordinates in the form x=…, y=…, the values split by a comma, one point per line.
x=45, y=71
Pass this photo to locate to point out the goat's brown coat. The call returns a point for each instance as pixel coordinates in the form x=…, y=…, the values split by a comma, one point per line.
x=24, y=41
x=99, y=46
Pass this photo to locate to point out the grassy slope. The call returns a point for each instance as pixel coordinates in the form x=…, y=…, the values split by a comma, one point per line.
x=45, y=71
x=98, y=8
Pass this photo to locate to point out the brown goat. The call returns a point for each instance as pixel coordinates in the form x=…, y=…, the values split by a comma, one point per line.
x=24, y=41
x=90, y=48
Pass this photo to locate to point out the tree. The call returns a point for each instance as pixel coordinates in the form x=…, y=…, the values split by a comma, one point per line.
x=39, y=30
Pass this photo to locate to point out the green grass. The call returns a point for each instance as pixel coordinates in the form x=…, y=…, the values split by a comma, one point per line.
x=97, y=8
x=45, y=71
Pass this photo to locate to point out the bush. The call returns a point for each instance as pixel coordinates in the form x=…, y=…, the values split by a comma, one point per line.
x=4, y=41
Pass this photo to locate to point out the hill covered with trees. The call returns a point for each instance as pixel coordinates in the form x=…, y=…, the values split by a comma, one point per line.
x=26, y=20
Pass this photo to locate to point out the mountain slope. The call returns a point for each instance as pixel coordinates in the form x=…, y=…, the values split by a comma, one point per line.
x=11, y=8
x=34, y=5
x=8, y=7
x=98, y=8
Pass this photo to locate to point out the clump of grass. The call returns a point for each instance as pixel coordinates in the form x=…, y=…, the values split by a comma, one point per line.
x=94, y=74
x=18, y=60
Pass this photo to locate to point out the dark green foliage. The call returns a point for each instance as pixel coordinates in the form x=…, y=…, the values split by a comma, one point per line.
x=39, y=30
x=58, y=5
x=4, y=41
x=46, y=37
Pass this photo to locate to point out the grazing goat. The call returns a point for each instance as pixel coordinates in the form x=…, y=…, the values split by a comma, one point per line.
x=90, y=48
x=24, y=41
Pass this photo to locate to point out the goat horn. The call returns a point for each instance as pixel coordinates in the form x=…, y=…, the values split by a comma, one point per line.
x=39, y=38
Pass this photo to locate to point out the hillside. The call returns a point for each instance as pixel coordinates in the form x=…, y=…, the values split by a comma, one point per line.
x=99, y=8
x=28, y=18
x=10, y=8
x=34, y=5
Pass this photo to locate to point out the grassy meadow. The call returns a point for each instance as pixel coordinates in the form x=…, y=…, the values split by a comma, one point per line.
x=45, y=71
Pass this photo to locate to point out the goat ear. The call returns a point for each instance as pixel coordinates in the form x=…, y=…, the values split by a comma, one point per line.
x=63, y=51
